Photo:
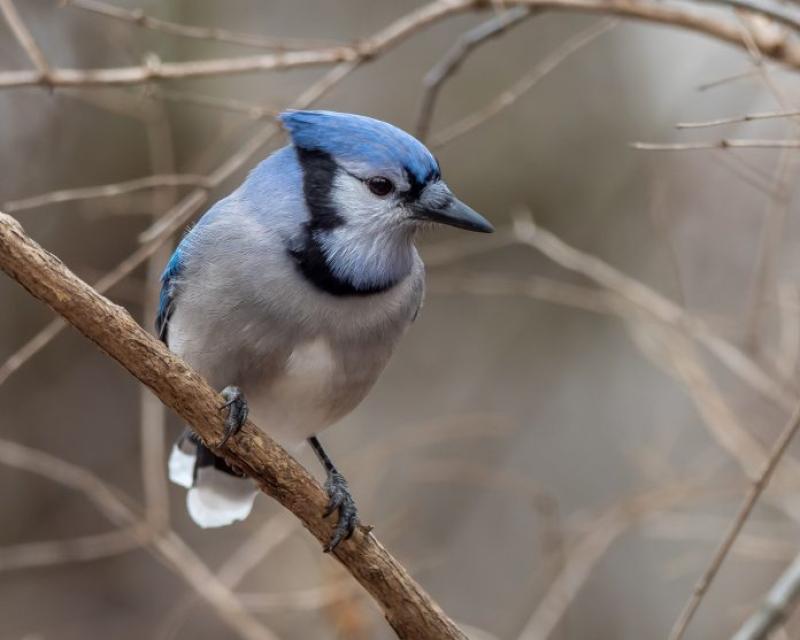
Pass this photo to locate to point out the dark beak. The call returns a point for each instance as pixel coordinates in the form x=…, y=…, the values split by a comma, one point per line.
x=456, y=214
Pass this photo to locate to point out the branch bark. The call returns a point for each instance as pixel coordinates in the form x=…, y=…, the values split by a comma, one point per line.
x=781, y=49
x=407, y=607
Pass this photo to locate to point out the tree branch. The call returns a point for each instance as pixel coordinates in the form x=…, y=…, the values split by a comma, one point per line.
x=454, y=58
x=25, y=39
x=756, y=489
x=780, y=49
x=408, y=609
x=776, y=608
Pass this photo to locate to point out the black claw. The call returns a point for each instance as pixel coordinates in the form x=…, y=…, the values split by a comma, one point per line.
x=341, y=501
x=237, y=412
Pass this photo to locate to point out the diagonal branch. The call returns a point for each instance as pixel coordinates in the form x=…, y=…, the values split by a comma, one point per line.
x=756, y=489
x=527, y=82
x=657, y=306
x=407, y=607
x=169, y=223
x=25, y=39
x=782, y=50
x=106, y=190
x=776, y=608
x=451, y=62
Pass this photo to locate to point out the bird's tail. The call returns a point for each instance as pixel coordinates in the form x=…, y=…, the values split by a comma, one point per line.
x=218, y=494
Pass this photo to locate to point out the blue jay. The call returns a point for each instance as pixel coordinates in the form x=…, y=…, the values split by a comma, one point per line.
x=291, y=293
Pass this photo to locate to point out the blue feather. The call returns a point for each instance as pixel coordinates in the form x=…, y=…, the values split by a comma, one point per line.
x=360, y=138
x=168, y=280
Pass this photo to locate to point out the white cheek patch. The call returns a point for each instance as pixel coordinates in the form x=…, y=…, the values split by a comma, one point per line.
x=356, y=204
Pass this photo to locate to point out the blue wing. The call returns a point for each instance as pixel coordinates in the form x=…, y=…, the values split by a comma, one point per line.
x=166, y=302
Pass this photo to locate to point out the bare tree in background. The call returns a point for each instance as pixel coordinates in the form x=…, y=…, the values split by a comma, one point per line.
x=738, y=372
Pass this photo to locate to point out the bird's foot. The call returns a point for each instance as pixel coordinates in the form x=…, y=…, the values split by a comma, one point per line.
x=341, y=501
x=237, y=412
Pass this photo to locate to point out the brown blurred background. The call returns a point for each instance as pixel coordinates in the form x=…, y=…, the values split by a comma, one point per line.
x=523, y=458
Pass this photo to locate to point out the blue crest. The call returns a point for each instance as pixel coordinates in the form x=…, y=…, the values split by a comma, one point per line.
x=361, y=139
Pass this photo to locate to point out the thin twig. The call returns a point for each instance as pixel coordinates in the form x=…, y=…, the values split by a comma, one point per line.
x=585, y=554
x=508, y=97
x=181, y=214
x=756, y=489
x=789, y=337
x=774, y=17
x=774, y=222
x=155, y=69
x=748, y=117
x=679, y=358
x=655, y=305
x=247, y=557
x=788, y=52
x=91, y=547
x=251, y=110
x=713, y=84
x=117, y=509
x=106, y=190
x=452, y=60
x=778, y=605
x=25, y=39
x=153, y=414
x=727, y=143
x=139, y=18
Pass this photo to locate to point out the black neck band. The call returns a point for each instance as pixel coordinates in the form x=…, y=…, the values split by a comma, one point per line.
x=319, y=171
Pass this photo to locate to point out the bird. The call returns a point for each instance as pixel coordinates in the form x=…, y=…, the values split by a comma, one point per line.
x=291, y=293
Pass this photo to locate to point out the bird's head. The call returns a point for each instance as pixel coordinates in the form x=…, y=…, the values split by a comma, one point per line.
x=368, y=174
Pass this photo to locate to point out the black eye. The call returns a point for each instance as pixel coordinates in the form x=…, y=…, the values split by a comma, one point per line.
x=380, y=186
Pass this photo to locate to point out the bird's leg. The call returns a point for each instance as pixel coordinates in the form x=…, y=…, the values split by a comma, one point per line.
x=237, y=412
x=340, y=498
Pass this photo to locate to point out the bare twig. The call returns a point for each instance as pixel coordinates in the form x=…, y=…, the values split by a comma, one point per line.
x=789, y=337
x=139, y=18
x=774, y=17
x=451, y=62
x=167, y=547
x=748, y=117
x=82, y=549
x=251, y=110
x=774, y=222
x=536, y=287
x=741, y=75
x=153, y=414
x=727, y=143
x=778, y=605
x=655, y=305
x=25, y=39
x=106, y=190
x=181, y=213
x=247, y=557
x=787, y=52
x=524, y=84
x=408, y=609
x=157, y=70
x=746, y=508
x=585, y=554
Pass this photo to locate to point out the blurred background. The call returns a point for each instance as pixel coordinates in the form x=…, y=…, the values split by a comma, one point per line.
x=567, y=431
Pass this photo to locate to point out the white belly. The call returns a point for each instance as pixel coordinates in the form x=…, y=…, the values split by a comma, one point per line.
x=315, y=389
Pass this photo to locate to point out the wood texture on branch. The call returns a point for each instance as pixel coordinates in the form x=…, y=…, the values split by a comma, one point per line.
x=780, y=49
x=408, y=609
